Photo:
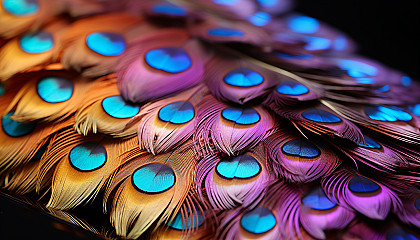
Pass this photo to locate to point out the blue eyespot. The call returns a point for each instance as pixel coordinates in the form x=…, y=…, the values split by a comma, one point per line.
x=359, y=184
x=400, y=234
x=259, y=220
x=357, y=69
x=243, y=77
x=242, y=116
x=55, y=89
x=225, y=32
x=34, y=43
x=291, y=88
x=386, y=114
x=317, y=200
x=192, y=222
x=260, y=19
x=116, y=107
x=106, y=43
x=170, y=59
x=300, y=148
x=241, y=167
x=415, y=109
x=294, y=57
x=169, y=9
x=340, y=43
x=226, y=2
x=406, y=81
x=370, y=143
x=316, y=43
x=304, y=24
x=153, y=178
x=321, y=116
x=21, y=8
x=88, y=156
x=14, y=128
x=383, y=89
x=177, y=112
x=268, y=3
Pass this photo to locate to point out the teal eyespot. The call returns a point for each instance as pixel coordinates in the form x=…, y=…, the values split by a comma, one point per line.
x=15, y=128
x=153, y=178
x=304, y=24
x=192, y=222
x=21, y=8
x=169, y=59
x=241, y=115
x=177, y=112
x=241, y=167
x=88, y=156
x=35, y=43
x=106, y=43
x=257, y=221
x=117, y=107
x=55, y=89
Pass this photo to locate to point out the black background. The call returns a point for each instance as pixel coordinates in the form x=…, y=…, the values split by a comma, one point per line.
x=387, y=31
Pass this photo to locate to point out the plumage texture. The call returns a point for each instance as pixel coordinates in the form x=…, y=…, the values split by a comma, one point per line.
x=210, y=119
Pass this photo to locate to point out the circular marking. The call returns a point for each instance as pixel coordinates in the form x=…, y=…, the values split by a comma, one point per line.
x=300, y=148
x=291, y=88
x=241, y=167
x=170, y=59
x=34, y=43
x=359, y=184
x=15, y=128
x=243, y=116
x=106, y=43
x=153, y=178
x=321, y=116
x=55, y=89
x=21, y=8
x=87, y=157
x=243, y=77
x=116, y=107
x=177, y=112
x=317, y=200
x=260, y=220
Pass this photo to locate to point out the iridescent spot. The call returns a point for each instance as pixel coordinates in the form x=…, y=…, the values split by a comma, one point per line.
x=415, y=109
x=55, y=89
x=241, y=115
x=15, y=128
x=340, y=43
x=39, y=42
x=316, y=43
x=400, y=234
x=117, y=107
x=88, y=156
x=153, y=178
x=177, y=112
x=357, y=69
x=106, y=43
x=370, y=143
x=243, y=77
x=169, y=9
x=226, y=2
x=191, y=222
x=170, y=59
x=291, y=88
x=386, y=114
x=417, y=204
x=225, y=32
x=303, y=24
x=21, y=8
x=317, y=200
x=241, y=167
x=406, y=81
x=300, y=148
x=383, y=89
x=293, y=57
x=260, y=19
x=321, y=116
x=360, y=184
x=259, y=220
x=268, y=3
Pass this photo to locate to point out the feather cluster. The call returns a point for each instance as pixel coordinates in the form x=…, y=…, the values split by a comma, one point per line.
x=208, y=119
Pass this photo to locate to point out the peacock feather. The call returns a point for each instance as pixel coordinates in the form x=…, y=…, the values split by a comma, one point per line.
x=207, y=119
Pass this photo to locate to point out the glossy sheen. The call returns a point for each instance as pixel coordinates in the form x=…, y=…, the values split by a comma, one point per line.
x=406, y=81
x=386, y=114
x=88, y=156
x=259, y=220
x=317, y=200
x=39, y=42
x=417, y=204
x=316, y=43
x=169, y=9
x=170, y=59
x=177, y=112
x=153, y=178
x=14, y=128
x=400, y=234
x=116, y=107
x=303, y=24
x=21, y=8
x=357, y=69
x=321, y=116
x=225, y=32
x=243, y=77
x=226, y=2
x=370, y=143
x=415, y=109
x=55, y=89
x=300, y=148
x=241, y=167
x=268, y=3
x=359, y=184
x=260, y=19
x=291, y=88
x=106, y=43
x=242, y=116
x=190, y=223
